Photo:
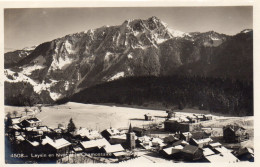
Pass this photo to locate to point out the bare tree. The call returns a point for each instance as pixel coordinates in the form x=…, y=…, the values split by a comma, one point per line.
x=15, y=113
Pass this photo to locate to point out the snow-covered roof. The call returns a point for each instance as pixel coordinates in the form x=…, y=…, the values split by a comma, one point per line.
x=217, y=144
x=113, y=148
x=15, y=120
x=57, y=144
x=223, y=158
x=201, y=141
x=20, y=138
x=95, y=143
x=207, y=152
x=91, y=134
x=113, y=131
x=34, y=143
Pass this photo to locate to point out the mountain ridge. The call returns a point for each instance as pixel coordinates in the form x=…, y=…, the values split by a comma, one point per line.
x=137, y=47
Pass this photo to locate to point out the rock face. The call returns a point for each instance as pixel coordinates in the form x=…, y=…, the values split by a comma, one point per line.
x=67, y=65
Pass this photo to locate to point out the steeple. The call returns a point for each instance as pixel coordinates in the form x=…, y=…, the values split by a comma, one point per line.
x=130, y=128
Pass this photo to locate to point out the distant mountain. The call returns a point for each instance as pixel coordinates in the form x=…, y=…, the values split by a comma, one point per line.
x=64, y=66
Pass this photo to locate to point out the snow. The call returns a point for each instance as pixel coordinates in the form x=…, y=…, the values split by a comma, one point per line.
x=116, y=76
x=38, y=87
x=107, y=55
x=246, y=31
x=55, y=96
x=214, y=38
x=60, y=62
x=129, y=56
x=176, y=33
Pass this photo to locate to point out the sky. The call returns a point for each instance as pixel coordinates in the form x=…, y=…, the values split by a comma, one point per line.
x=26, y=27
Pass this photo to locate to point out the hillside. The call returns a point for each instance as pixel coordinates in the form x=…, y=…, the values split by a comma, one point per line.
x=62, y=67
x=214, y=94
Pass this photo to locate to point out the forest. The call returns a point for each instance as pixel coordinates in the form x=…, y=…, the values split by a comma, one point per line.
x=219, y=95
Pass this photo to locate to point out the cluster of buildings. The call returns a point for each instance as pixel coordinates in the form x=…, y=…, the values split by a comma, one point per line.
x=187, y=142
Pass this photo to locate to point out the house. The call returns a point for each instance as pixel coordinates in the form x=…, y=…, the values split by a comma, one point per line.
x=118, y=139
x=139, y=131
x=94, y=145
x=185, y=136
x=85, y=134
x=58, y=147
x=222, y=155
x=215, y=145
x=107, y=133
x=171, y=152
x=234, y=134
x=170, y=139
x=145, y=142
x=109, y=149
x=148, y=117
x=180, y=142
x=201, y=142
x=31, y=122
x=175, y=126
x=191, y=153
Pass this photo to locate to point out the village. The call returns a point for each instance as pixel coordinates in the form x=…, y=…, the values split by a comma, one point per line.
x=178, y=138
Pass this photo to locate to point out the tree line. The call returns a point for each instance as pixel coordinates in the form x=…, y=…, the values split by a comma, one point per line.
x=221, y=95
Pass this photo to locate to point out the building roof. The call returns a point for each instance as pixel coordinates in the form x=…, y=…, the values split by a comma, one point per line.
x=207, y=152
x=217, y=144
x=121, y=153
x=201, y=141
x=15, y=120
x=95, y=143
x=182, y=142
x=223, y=158
x=90, y=134
x=113, y=131
x=32, y=120
x=57, y=144
x=113, y=148
x=199, y=135
x=190, y=149
x=187, y=134
x=33, y=143
x=245, y=150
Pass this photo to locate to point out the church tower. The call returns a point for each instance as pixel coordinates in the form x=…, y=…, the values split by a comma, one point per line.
x=130, y=138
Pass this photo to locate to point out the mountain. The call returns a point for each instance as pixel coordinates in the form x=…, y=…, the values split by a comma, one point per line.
x=62, y=67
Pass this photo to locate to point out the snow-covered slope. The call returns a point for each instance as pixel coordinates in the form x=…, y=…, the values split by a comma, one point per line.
x=66, y=65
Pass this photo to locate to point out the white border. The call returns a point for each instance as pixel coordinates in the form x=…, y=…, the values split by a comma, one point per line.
x=138, y=3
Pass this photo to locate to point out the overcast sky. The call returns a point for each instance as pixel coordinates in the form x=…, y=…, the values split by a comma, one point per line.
x=28, y=27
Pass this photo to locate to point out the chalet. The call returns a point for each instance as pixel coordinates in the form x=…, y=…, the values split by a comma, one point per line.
x=201, y=142
x=199, y=135
x=222, y=154
x=171, y=152
x=31, y=122
x=215, y=145
x=118, y=139
x=58, y=147
x=77, y=149
x=15, y=121
x=234, y=134
x=185, y=136
x=180, y=142
x=157, y=142
x=175, y=126
x=109, y=149
x=144, y=142
x=84, y=134
x=148, y=117
x=191, y=153
x=94, y=145
x=170, y=139
x=107, y=133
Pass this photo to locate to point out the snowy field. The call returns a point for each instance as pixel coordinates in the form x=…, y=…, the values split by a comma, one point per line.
x=100, y=117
